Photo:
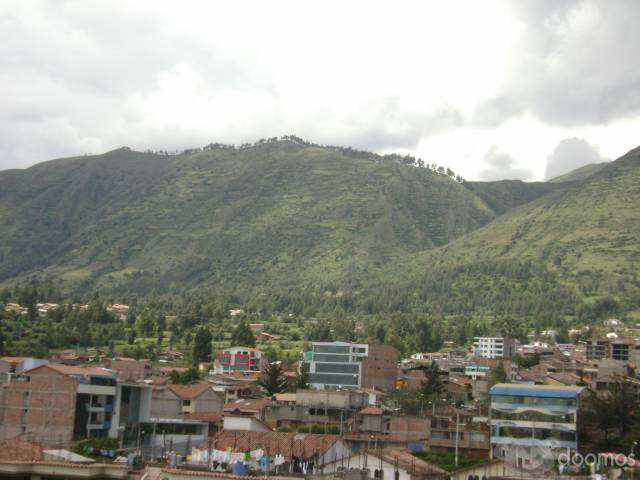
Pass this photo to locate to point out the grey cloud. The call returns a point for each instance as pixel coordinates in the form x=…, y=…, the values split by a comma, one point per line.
x=576, y=65
x=571, y=153
x=502, y=166
x=385, y=124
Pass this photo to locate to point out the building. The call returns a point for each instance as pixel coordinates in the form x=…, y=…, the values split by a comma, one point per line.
x=351, y=365
x=239, y=360
x=297, y=450
x=328, y=407
x=128, y=369
x=385, y=464
x=465, y=429
x=494, y=347
x=622, y=349
x=532, y=424
x=175, y=401
x=248, y=407
x=55, y=404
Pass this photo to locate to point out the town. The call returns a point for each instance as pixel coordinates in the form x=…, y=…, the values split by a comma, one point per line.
x=496, y=408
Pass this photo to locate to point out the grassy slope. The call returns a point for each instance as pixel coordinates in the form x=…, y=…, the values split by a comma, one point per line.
x=504, y=195
x=591, y=226
x=578, y=174
x=280, y=213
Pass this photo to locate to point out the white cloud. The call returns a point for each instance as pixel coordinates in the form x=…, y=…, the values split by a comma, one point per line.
x=502, y=166
x=571, y=153
x=444, y=81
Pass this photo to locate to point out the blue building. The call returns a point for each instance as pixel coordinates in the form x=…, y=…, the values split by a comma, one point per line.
x=531, y=425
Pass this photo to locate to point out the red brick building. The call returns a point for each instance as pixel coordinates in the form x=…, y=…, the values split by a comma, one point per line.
x=55, y=404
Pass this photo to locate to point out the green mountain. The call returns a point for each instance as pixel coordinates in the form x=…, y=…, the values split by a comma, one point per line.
x=579, y=173
x=580, y=243
x=272, y=213
x=504, y=195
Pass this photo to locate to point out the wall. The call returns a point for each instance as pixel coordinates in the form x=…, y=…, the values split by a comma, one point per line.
x=380, y=367
x=209, y=401
x=42, y=409
x=165, y=404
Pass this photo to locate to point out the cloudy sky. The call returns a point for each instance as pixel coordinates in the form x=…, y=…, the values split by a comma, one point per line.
x=493, y=89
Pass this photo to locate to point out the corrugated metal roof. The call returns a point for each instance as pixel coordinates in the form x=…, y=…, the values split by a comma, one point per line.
x=545, y=391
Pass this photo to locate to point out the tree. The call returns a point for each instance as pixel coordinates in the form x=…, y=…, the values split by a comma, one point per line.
x=242, y=336
x=202, y=345
x=432, y=385
x=498, y=375
x=273, y=380
x=302, y=378
x=191, y=375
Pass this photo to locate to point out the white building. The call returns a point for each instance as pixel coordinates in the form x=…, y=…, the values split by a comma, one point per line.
x=494, y=347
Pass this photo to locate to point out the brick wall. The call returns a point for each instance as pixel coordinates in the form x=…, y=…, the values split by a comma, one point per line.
x=41, y=409
x=380, y=367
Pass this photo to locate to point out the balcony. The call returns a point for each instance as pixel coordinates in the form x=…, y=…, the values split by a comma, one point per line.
x=533, y=442
x=96, y=389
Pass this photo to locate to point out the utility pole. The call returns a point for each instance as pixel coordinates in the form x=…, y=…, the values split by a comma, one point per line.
x=457, y=435
x=153, y=443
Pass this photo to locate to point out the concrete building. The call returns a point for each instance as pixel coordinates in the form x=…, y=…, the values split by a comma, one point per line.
x=128, y=369
x=452, y=426
x=532, y=424
x=55, y=404
x=175, y=401
x=239, y=360
x=494, y=347
x=621, y=349
x=351, y=365
x=328, y=407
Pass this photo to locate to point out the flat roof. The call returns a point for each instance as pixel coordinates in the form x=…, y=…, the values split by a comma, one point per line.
x=524, y=390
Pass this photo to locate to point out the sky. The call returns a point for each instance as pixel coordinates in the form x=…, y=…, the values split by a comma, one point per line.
x=525, y=89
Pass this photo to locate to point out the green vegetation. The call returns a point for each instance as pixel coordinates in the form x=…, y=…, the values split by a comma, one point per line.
x=281, y=212
x=182, y=378
x=447, y=461
x=432, y=386
x=273, y=380
x=316, y=243
x=242, y=336
x=202, y=345
x=578, y=174
x=328, y=429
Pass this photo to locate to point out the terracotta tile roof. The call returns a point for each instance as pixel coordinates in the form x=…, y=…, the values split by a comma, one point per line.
x=172, y=369
x=288, y=444
x=191, y=390
x=19, y=450
x=246, y=405
x=74, y=370
x=371, y=411
x=409, y=462
x=286, y=397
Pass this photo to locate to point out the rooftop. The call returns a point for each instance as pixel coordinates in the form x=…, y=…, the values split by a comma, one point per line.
x=528, y=390
x=74, y=370
x=191, y=390
x=288, y=444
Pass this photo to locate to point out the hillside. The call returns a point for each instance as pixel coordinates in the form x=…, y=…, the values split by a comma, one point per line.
x=579, y=173
x=570, y=246
x=276, y=213
x=504, y=195
x=593, y=225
